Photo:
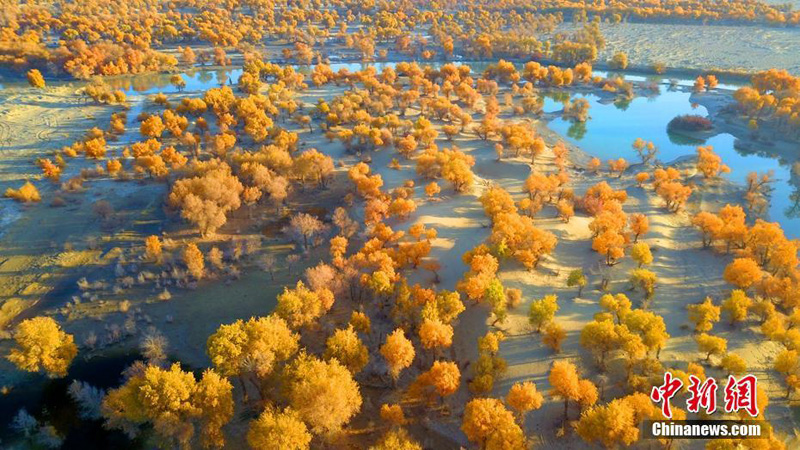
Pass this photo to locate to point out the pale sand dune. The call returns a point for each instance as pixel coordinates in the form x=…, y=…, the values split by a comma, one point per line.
x=748, y=48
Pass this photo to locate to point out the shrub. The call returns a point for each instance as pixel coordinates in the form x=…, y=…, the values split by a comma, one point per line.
x=689, y=122
x=25, y=194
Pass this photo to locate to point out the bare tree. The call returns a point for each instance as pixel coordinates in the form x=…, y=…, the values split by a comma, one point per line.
x=304, y=227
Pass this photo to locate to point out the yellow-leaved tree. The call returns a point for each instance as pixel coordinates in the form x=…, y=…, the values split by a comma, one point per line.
x=567, y=385
x=704, y=315
x=254, y=346
x=346, y=347
x=489, y=424
x=711, y=345
x=301, y=306
x=41, y=345
x=35, y=78
x=737, y=305
x=616, y=423
x=542, y=311
x=441, y=380
x=323, y=393
x=174, y=403
x=279, y=429
x=397, y=439
x=398, y=352
x=523, y=397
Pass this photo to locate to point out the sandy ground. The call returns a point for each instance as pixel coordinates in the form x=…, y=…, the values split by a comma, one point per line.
x=33, y=124
x=45, y=250
x=686, y=272
x=749, y=48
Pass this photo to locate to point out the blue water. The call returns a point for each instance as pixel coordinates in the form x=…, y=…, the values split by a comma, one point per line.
x=611, y=130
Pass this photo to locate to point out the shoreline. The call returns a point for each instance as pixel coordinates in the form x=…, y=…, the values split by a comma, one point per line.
x=684, y=269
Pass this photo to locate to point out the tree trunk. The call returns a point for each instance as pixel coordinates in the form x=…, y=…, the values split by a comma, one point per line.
x=244, y=389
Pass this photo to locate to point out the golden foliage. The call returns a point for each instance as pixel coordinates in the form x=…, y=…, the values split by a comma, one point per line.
x=398, y=352
x=323, y=393
x=255, y=345
x=490, y=425
x=174, y=403
x=41, y=345
x=279, y=429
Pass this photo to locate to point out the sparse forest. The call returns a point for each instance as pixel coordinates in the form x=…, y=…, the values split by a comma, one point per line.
x=389, y=225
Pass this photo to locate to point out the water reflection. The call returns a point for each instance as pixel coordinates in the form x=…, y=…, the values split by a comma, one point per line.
x=611, y=130
x=577, y=130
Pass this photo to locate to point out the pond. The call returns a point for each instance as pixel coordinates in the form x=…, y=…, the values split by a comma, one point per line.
x=612, y=128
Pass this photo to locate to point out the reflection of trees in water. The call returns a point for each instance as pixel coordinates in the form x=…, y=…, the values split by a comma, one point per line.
x=148, y=81
x=622, y=103
x=682, y=139
x=205, y=76
x=140, y=82
x=222, y=77
x=577, y=130
x=793, y=211
x=559, y=96
x=763, y=151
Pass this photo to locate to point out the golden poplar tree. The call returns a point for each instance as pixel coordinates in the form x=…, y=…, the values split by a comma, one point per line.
x=489, y=424
x=279, y=429
x=398, y=352
x=41, y=345
x=323, y=393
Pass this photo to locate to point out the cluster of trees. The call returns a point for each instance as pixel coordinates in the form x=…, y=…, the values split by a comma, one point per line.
x=610, y=223
x=111, y=39
x=709, y=163
x=541, y=316
x=707, y=83
x=667, y=184
x=636, y=333
x=318, y=394
x=772, y=98
x=228, y=148
x=638, y=336
x=760, y=247
x=220, y=176
x=263, y=352
x=513, y=234
x=764, y=273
